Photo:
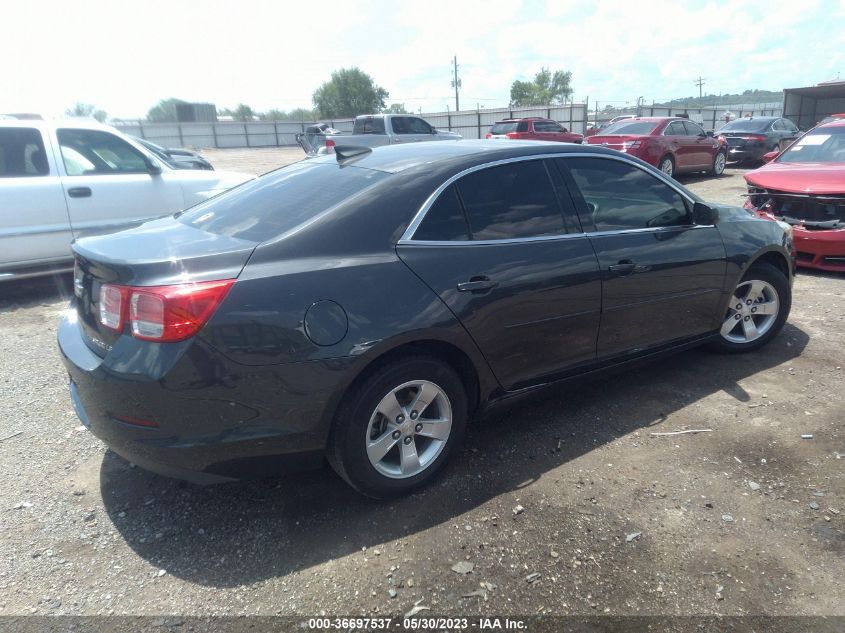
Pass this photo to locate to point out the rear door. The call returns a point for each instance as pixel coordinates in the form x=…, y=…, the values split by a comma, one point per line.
x=662, y=274
x=107, y=183
x=34, y=226
x=503, y=249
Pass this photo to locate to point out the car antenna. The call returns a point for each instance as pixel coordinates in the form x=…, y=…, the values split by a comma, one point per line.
x=348, y=152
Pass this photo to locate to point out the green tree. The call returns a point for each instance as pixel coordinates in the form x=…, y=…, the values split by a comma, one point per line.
x=164, y=111
x=350, y=92
x=86, y=110
x=546, y=88
x=396, y=108
x=243, y=113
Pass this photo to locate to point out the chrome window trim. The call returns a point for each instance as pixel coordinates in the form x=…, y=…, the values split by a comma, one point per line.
x=408, y=235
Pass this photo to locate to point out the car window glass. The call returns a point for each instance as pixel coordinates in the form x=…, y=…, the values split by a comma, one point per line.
x=22, y=153
x=633, y=128
x=619, y=196
x=369, y=125
x=418, y=126
x=503, y=127
x=693, y=129
x=400, y=125
x=515, y=200
x=675, y=128
x=278, y=202
x=522, y=126
x=445, y=220
x=104, y=153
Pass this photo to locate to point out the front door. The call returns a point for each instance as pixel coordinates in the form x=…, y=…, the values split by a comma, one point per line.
x=662, y=274
x=510, y=261
x=107, y=183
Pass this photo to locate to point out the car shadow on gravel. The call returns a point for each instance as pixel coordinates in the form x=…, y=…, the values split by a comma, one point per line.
x=240, y=533
x=27, y=293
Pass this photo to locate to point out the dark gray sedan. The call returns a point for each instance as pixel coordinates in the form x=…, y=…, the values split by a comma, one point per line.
x=749, y=139
x=365, y=305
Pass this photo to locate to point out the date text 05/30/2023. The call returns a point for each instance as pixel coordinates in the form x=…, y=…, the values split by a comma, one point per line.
x=416, y=624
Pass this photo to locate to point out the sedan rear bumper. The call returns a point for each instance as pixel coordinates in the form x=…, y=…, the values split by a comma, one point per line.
x=207, y=419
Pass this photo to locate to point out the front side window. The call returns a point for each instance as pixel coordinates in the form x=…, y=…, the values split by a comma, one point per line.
x=87, y=152
x=417, y=126
x=620, y=197
x=22, y=153
x=515, y=200
x=693, y=129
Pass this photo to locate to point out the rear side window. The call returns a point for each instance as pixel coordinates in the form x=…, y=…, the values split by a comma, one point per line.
x=370, y=125
x=620, y=197
x=22, y=153
x=547, y=126
x=515, y=200
x=445, y=220
x=280, y=201
x=675, y=128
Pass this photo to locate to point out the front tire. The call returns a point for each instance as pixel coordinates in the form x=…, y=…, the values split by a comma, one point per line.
x=719, y=162
x=757, y=310
x=667, y=166
x=399, y=427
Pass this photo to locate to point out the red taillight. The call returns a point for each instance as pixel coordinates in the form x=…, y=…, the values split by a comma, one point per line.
x=631, y=144
x=755, y=137
x=488, y=135
x=330, y=145
x=165, y=314
x=112, y=305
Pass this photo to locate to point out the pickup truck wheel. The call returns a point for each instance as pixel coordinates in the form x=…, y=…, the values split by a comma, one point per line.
x=757, y=310
x=667, y=165
x=399, y=427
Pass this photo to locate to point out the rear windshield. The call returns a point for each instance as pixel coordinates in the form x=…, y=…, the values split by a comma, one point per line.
x=745, y=126
x=630, y=127
x=280, y=201
x=822, y=145
x=504, y=128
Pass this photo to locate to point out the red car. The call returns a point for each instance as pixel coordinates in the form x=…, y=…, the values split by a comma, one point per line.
x=533, y=129
x=671, y=144
x=805, y=187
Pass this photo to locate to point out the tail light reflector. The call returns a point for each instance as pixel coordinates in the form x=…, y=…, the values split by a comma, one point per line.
x=755, y=137
x=112, y=306
x=330, y=145
x=164, y=314
x=488, y=135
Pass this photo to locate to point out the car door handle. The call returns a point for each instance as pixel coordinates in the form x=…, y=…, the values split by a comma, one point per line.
x=477, y=284
x=625, y=267
x=79, y=192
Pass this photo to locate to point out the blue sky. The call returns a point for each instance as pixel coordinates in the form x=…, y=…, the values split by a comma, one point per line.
x=125, y=56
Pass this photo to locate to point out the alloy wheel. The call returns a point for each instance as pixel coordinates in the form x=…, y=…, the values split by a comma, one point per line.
x=719, y=163
x=752, y=311
x=667, y=167
x=409, y=429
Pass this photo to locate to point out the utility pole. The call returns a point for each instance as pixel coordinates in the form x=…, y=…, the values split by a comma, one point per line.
x=456, y=82
x=699, y=83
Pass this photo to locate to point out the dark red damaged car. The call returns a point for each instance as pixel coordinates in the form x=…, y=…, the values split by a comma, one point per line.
x=805, y=187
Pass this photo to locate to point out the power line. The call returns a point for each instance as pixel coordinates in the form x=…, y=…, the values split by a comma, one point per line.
x=699, y=83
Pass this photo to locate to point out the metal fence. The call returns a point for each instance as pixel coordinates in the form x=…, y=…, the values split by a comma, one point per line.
x=468, y=123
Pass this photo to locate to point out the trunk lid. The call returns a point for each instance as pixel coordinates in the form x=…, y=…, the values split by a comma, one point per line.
x=613, y=141
x=157, y=253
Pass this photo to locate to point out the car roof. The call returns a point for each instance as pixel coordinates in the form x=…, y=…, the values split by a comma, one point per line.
x=834, y=123
x=462, y=153
x=82, y=124
x=527, y=118
x=756, y=118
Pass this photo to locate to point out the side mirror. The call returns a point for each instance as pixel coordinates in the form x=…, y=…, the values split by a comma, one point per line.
x=153, y=166
x=770, y=156
x=703, y=215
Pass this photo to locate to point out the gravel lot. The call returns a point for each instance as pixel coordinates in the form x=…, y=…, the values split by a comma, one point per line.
x=564, y=505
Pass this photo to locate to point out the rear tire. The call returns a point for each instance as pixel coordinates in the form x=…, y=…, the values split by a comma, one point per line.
x=397, y=429
x=756, y=312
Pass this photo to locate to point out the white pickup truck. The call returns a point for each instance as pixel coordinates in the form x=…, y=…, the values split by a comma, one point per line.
x=60, y=180
x=373, y=130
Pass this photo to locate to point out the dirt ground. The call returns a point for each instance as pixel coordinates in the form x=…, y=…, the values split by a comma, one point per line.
x=565, y=504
